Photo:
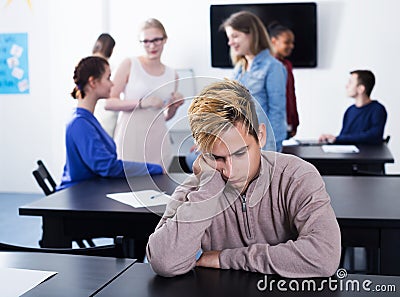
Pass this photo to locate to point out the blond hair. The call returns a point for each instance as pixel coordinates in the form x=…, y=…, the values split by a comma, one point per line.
x=154, y=23
x=217, y=108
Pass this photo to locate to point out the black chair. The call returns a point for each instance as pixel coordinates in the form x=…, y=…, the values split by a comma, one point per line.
x=46, y=182
x=116, y=250
x=44, y=179
x=178, y=165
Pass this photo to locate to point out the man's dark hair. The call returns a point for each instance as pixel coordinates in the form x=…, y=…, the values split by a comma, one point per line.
x=365, y=78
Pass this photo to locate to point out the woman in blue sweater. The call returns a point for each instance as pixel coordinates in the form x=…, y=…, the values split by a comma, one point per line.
x=91, y=152
x=363, y=122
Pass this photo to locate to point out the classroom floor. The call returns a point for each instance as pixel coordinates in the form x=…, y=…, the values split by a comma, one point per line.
x=24, y=230
x=16, y=229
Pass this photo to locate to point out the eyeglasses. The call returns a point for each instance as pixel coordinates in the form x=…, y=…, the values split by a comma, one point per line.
x=155, y=41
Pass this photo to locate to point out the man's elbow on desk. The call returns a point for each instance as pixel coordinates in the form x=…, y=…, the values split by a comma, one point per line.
x=168, y=266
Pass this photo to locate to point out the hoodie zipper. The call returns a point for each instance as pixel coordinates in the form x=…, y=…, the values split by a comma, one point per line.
x=246, y=216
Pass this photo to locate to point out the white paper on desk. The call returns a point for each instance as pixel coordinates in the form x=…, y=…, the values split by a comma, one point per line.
x=290, y=142
x=141, y=198
x=15, y=282
x=340, y=149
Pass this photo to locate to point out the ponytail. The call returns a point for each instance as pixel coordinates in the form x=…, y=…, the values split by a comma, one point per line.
x=77, y=93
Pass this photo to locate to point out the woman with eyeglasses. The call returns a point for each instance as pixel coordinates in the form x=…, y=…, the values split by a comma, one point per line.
x=150, y=98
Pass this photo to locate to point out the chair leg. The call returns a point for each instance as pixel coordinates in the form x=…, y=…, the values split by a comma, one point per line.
x=372, y=256
x=90, y=242
x=351, y=259
x=139, y=249
x=80, y=243
x=348, y=250
x=342, y=257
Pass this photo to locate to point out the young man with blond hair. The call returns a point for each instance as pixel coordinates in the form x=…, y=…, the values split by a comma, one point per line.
x=244, y=208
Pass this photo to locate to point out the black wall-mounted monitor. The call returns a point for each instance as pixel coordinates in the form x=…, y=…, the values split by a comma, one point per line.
x=301, y=18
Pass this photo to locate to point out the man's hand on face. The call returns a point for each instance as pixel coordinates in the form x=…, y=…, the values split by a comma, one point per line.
x=205, y=169
x=203, y=164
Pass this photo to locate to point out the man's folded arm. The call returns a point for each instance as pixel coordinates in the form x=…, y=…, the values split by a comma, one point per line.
x=172, y=248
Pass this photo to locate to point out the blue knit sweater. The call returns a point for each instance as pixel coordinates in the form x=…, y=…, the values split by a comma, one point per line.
x=363, y=125
x=91, y=153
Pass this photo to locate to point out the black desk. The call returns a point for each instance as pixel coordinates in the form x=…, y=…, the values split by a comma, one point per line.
x=140, y=280
x=368, y=211
x=367, y=208
x=84, y=211
x=371, y=158
x=77, y=275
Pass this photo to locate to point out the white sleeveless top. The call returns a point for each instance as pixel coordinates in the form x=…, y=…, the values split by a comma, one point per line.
x=142, y=135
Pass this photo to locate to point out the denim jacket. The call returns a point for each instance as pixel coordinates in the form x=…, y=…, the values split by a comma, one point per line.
x=266, y=81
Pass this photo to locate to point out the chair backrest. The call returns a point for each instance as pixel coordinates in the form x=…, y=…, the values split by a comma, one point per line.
x=112, y=250
x=44, y=179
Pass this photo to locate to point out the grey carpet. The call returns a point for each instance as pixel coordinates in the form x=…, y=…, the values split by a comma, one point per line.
x=16, y=229
x=24, y=230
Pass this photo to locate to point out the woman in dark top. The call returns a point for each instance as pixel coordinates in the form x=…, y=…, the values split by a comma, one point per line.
x=282, y=39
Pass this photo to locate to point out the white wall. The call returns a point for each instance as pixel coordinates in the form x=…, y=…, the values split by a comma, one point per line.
x=32, y=126
x=351, y=34
x=20, y=114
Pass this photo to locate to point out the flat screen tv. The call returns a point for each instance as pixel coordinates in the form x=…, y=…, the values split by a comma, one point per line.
x=301, y=18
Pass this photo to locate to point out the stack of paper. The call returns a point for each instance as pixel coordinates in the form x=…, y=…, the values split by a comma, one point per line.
x=15, y=282
x=340, y=149
x=290, y=142
x=141, y=198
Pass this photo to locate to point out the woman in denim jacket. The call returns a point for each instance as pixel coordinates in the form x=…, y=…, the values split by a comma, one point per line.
x=259, y=71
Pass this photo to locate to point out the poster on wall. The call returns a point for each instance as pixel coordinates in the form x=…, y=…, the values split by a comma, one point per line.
x=14, y=71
